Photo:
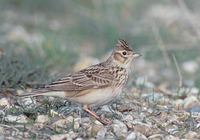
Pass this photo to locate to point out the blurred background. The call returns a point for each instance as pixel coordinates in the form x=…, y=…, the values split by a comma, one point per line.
x=41, y=39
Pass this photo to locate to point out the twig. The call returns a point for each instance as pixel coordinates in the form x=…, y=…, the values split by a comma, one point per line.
x=178, y=71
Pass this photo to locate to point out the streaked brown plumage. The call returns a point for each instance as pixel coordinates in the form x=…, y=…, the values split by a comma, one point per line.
x=96, y=85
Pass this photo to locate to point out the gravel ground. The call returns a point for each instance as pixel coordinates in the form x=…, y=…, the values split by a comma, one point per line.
x=160, y=101
x=137, y=115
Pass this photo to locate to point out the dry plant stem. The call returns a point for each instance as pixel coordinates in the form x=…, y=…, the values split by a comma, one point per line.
x=161, y=43
x=178, y=71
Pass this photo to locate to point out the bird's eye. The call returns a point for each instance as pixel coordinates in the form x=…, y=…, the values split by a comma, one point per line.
x=124, y=53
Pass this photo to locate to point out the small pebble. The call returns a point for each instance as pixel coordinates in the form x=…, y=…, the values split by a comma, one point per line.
x=16, y=119
x=144, y=129
x=156, y=137
x=136, y=136
x=96, y=128
x=42, y=119
x=27, y=103
x=191, y=135
x=101, y=133
x=119, y=128
x=1, y=130
x=63, y=123
x=190, y=102
x=61, y=137
x=128, y=118
x=4, y=103
x=170, y=137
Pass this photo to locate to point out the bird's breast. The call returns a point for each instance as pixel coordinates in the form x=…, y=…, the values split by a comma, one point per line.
x=121, y=78
x=95, y=97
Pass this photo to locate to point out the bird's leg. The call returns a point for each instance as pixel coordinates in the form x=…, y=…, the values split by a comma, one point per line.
x=102, y=120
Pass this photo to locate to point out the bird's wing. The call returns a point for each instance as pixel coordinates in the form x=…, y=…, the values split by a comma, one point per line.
x=90, y=78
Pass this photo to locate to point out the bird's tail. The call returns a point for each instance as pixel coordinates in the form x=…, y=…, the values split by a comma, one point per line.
x=33, y=93
x=42, y=92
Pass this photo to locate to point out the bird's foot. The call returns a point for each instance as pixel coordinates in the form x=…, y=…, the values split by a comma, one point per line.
x=102, y=119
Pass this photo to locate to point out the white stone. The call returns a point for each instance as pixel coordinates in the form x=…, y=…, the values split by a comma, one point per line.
x=60, y=137
x=156, y=137
x=76, y=123
x=2, y=130
x=42, y=119
x=105, y=108
x=190, y=102
x=170, y=137
x=143, y=128
x=191, y=135
x=136, y=136
x=119, y=128
x=62, y=123
x=101, y=134
x=16, y=119
x=69, y=136
x=79, y=138
x=4, y=103
x=28, y=103
x=128, y=118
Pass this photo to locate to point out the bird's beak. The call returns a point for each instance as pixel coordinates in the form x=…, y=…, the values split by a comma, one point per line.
x=136, y=55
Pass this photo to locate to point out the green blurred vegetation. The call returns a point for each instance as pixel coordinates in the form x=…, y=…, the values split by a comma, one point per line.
x=41, y=37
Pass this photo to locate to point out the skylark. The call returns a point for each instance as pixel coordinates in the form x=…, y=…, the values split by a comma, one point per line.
x=96, y=85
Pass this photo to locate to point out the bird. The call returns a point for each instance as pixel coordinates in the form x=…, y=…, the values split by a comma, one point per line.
x=95, y=85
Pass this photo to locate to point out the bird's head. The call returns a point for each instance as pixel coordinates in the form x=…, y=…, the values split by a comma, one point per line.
x=123, y=54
